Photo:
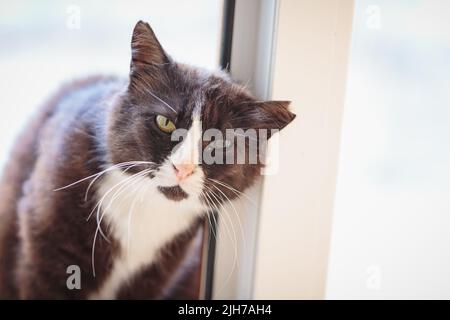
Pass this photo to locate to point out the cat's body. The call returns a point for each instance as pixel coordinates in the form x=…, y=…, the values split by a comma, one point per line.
x=132, y=230
x=62, y=146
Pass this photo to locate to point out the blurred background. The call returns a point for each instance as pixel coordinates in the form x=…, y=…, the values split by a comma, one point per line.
x=360, y=207
x=47, y=43
x=392, y=208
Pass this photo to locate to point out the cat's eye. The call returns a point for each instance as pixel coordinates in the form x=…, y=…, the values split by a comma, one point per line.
x=164, y=124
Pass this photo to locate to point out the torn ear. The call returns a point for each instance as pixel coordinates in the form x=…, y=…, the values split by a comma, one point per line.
x=145, y=48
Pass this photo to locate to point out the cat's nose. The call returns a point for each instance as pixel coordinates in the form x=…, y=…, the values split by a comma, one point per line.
x=182, y=171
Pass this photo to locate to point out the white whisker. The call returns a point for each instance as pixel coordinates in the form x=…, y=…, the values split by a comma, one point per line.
x=131, y=164
x=235, y=252
x=118, y=165
x=99, y=205
x=130, y=213
x=236, y=213
x=237, y=192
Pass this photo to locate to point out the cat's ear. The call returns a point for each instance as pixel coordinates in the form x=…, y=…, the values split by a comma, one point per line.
x=275, y=114
x=145, y=48
x=267, y=115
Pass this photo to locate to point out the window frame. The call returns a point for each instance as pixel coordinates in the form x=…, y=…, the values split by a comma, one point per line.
x=264, y=33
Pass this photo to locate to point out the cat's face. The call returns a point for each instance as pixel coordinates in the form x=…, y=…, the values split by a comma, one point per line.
x=166, y=100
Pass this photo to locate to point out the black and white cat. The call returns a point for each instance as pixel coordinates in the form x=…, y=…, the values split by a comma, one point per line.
x=97, y=180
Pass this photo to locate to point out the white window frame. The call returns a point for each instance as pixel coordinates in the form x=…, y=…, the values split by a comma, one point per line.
x=294, y=50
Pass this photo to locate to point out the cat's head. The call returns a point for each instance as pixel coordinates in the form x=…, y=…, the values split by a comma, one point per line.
x=180, y=120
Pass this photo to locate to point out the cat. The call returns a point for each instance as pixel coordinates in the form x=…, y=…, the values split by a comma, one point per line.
x=93, y=184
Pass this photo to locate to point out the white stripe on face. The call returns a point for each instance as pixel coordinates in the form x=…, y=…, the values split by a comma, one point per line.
x=189, y=151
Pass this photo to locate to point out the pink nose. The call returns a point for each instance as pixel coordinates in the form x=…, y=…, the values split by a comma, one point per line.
x=182, y=171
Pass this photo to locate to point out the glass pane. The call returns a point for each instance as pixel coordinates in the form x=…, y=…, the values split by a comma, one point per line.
x=392, y=211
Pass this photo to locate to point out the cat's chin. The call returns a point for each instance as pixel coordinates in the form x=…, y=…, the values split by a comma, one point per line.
x=174, y=193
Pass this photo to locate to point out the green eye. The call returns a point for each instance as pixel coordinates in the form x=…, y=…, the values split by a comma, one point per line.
x=164, y=124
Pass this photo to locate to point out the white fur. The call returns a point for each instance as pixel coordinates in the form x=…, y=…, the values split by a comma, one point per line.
x=189, y=150
x=143, y=220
